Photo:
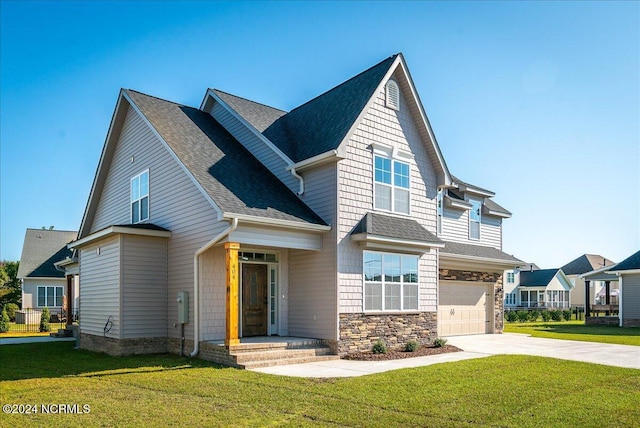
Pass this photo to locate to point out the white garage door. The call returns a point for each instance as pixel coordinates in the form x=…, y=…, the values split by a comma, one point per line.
x=464, y=309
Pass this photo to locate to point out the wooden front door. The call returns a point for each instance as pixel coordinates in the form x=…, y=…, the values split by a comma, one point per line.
x=254, y=300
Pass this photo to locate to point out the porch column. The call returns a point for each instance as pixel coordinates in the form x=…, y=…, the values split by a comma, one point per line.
x=70, y=298
x=231, y=250
x=607, y=290
x=587, y=299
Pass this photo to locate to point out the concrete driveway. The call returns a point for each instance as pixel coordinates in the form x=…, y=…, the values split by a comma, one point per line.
x=476, y=346
x=589, y=352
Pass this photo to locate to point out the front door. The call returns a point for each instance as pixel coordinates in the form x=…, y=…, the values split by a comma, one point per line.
x=254, y=300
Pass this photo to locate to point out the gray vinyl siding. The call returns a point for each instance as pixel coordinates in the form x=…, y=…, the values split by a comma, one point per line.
x=455, y=228
x=312, y=274
x=100, y=287
x=175, y=203
x=356, y=188
x=630, y=299
x=144, y=286
x=258, y=148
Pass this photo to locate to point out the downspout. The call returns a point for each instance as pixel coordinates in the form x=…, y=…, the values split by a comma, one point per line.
x=299, y=177
x=196, y=283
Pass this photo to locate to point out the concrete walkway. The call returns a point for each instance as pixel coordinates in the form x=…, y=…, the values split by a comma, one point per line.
x=475, y=346
x=34, y=339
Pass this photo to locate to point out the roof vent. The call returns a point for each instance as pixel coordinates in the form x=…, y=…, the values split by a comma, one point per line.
x=393, y=95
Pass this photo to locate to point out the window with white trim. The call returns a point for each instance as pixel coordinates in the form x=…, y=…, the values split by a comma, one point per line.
x=50, y=296
x=390, y=282
x=392, y=95
x=511, y=277
x=392, y=185
x=474, y=219
x=440, y=208
x=140, y=197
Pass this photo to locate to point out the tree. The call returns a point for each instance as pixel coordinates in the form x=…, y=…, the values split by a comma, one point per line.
x=4, y=321
x=10, y=287
x=44, y=320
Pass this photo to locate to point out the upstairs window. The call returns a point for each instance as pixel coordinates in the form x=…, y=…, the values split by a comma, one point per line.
x=140, y=197
x=392, y=95
x=392, y=185
x=511, y=277
x=439, y=201
x=474, y=219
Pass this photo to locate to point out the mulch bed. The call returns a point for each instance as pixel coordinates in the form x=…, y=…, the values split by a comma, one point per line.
x=397, y=354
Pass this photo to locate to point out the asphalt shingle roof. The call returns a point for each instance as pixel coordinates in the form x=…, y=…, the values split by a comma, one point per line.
x=394, y=227
x=585, y=263
x=630, y=263
x=235, y=180
x=489, y=203
x=458, y=181
x=41, y=249
x=318, y=125
x=537, y=278
x=477, y=251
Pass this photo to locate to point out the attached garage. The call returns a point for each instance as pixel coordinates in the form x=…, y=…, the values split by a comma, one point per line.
x=465, y=308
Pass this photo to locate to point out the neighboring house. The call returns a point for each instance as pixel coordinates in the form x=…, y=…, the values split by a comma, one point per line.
x=335, y=221
x=43, y=285
x=511, y=282
x=583, y=264
x=628, y=272
x=544, y=288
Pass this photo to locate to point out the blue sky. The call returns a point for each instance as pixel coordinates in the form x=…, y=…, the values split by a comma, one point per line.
x=537, y=101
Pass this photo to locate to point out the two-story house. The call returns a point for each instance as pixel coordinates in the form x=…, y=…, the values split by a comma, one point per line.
x=337, y=221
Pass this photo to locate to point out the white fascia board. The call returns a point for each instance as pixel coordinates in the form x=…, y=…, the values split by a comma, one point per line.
x=496, y=213
x=315, y=160
x=116, y=230
x=496, y=262
x=475, y=190
x=175, y=157
x=456, y=203
x=377, y=239
x=602, y=270
x=66, y=262
x=250, y=127
x=287, y=224
x=625, y=272
x=107, y=144
x=566, y=282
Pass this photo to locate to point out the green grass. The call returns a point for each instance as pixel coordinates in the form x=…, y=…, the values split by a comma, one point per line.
x=577, y=330
x=27, y=330
x=173, y=391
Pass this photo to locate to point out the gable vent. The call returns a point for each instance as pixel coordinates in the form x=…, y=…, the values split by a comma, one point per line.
x=393, y=95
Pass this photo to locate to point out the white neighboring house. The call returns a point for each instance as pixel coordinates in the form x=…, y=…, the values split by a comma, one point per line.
x=511, y=282
x=43, y=285
x=537, y=288
x=575, y=271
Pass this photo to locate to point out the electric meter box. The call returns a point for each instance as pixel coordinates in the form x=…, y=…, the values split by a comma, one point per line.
x=183, y=307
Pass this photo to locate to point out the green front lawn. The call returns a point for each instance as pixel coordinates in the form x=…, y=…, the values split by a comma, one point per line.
x=172, y=391
x=577, y=330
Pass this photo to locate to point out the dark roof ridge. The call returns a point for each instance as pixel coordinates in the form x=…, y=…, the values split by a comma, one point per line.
x=247, y=99
x=346, y=81
x=158, y=98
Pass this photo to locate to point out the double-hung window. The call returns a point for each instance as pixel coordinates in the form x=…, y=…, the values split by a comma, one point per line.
x=392, y=185
x=474, y=219
x=390, y=282
x=140, y=197
x=511, y=277
x=50, y=297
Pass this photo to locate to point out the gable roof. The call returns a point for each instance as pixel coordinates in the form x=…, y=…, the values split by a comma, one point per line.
x=461, y=184
x=229, y=174
x=324, y=123
x=537, y=278
x=41, y=249
x=585, y=263
x=630, y=263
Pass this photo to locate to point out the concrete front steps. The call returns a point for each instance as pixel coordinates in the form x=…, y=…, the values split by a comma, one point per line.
x=255, y=355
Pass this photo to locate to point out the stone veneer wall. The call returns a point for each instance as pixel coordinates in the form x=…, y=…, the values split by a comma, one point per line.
x=602, y=320
x=487, y=277
x=359, y=331
x=631, y=323
x=120, y=347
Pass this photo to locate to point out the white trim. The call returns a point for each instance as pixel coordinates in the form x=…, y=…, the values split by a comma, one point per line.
x=114, y=230
x=140, y=197
x=315, y=160
x=625, y=272
x=475, y=191
x=495, y=213
x=460, y=257
x=38, y=287
x=479, y=221
x=175, y=157
x=456, y=203
x=290, y=224
x=389, y=98
x=392, y=185
x=362, y=237
x=383, y=283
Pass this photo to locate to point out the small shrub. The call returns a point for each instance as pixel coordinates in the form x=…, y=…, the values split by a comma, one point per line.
x=11, y=310
x=379, y=347
x=411, y=346
x=546, y=316
x=566, y=314
x=4, y=321
x=44, y=320
x=556, y=315
x=523, y=316
x=533, y=316
x=511, y=316
x=439, y=342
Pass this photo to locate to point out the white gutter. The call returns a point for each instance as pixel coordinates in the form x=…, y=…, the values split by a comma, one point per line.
x=196, y=283
x=299, y=177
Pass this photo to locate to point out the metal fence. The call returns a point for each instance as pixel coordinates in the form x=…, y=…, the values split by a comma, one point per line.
x=28, y=320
